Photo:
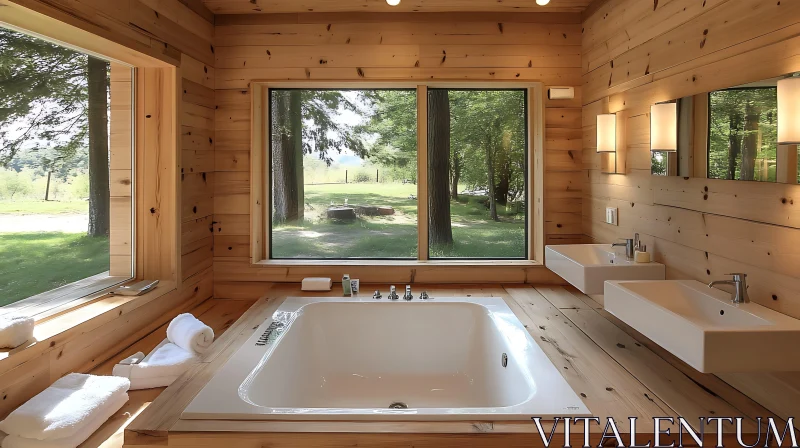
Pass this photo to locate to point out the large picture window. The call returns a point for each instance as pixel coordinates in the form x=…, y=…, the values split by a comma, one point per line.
x=344, y=173
x=65, y=173
x=343, y=168
x=477, y=171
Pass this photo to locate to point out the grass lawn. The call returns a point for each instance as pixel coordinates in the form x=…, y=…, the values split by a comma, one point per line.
x=33, y=263
x=393, y=236
x=43, y=207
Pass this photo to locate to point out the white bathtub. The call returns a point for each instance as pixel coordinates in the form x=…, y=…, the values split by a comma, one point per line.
x=352, y=359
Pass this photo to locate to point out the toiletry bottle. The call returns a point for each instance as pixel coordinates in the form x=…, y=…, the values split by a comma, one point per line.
x=346, y=285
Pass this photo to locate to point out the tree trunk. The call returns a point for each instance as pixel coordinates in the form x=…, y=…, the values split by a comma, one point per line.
x=47, y=188
x=734, y=143
x=439, y=225
x=503, y=184
x=491, y=179
x=287, y=156
x=750, y=144
x=456, y=175
x=99, y=194
x=503, y=164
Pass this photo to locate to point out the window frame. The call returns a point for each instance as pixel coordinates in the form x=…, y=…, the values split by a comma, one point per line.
x=260, y=174
x=153, y=240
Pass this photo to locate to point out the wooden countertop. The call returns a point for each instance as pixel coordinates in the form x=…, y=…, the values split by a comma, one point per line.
x=615, y=374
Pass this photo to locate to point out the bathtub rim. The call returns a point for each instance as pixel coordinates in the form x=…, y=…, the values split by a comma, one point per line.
x=495, y=307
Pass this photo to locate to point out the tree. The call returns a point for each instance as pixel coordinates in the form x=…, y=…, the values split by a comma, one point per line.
x=440, y=232
x=60, y=98
x=393, y=124
x=304, y=122
x=493, y=122
x=99, y=194
x=743, y=134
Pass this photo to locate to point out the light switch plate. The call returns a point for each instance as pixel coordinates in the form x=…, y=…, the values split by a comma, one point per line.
x=611, y=215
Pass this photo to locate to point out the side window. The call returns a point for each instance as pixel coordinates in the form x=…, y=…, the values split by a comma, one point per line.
x=65, y=172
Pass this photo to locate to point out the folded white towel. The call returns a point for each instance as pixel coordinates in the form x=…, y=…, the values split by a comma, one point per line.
x=158, y=369
x=135, y=358
x=190, y=334
x=317, y=284
x=87, y=429
x=15, y=330
x=64, y=408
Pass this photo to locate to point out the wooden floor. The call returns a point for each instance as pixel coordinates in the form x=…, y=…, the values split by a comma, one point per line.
x=218, y=314
x=616, y=371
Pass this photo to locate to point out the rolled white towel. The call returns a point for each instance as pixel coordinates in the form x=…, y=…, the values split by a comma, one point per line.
x=15, y=330
x=190, y=334
x=158, y=369
x=90, y=425
x=64, y=408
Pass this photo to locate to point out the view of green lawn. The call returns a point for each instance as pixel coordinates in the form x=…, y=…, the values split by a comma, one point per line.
x=475, y=235
x=33, y=263
x=32, y=207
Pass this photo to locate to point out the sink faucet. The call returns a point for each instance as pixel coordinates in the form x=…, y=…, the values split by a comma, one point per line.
x=739, y=283
x=392, y=293
x=629, y=247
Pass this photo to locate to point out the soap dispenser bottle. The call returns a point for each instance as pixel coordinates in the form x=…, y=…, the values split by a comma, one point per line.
x=346, y=286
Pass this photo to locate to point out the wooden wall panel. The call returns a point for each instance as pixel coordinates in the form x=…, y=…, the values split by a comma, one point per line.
x=160, y=28
x=637, y=53
x=353, y=47
x=197, y=167
x=180, y=33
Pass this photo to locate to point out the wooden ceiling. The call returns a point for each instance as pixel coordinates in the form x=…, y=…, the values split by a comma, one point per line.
x=297, y=6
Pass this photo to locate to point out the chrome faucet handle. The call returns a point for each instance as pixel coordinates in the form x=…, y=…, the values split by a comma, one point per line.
x=628, y=245
x=739, y=283
x=423, y=295
x=407, y=295
x=392, y=293
x=376, y=295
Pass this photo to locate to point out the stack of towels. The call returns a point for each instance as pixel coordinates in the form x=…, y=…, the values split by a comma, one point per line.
x=187, y=338
x=65, y=414
x=15, y=330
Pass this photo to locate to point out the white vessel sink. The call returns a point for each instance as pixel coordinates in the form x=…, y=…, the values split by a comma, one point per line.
x=704, y=328
x=587, y=266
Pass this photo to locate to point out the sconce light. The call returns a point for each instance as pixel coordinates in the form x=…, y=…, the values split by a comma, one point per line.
x=664, y=127
x=789, y=111
x=606, y=133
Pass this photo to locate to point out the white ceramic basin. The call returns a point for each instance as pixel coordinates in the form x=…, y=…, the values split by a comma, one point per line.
x=587, y=266
x=704, y=328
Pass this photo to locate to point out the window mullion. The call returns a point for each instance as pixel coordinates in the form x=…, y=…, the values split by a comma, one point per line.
x=422, y=172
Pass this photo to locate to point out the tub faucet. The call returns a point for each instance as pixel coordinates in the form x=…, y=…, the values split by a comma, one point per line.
x=407, y=295
x=392, y=293
x=739, y=283
x=629, y=247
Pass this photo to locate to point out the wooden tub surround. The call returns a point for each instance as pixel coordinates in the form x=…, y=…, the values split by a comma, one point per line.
x=601, y=358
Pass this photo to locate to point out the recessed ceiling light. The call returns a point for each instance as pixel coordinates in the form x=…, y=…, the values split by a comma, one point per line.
x=397, y=2
x=542, y=2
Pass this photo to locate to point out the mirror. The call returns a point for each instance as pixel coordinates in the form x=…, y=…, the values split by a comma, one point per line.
x=730, y=134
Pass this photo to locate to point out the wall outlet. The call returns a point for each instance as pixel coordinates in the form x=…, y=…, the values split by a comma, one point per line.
x=611, y=215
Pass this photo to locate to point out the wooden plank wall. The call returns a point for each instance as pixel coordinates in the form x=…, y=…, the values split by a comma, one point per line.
x=197, y=167
x=354, y=47
x=636, y=53
x=180, y=32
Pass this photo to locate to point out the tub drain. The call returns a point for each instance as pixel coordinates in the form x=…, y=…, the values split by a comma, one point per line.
x=398, y=405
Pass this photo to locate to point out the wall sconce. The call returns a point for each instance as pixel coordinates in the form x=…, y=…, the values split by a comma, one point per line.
x=611, y=142
x=664, y=127
x=606, y=133
x=789, y=111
